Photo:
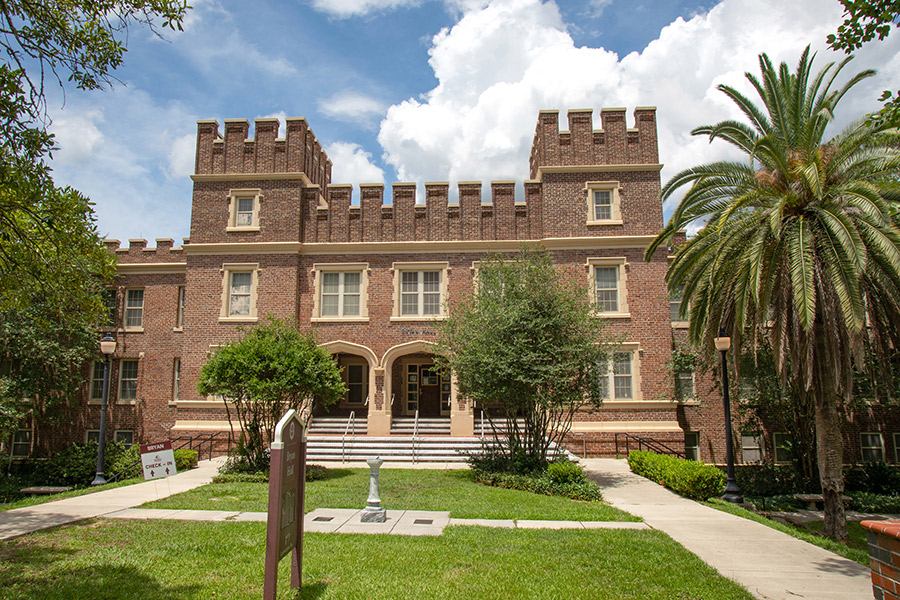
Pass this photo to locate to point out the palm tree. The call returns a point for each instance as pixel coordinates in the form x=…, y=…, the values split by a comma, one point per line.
x=801, y=243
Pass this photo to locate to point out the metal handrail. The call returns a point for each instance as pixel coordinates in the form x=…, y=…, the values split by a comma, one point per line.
x=415, y=435
x=482, y=426
x=651, y=445
x=392, y=399
x=351, y=422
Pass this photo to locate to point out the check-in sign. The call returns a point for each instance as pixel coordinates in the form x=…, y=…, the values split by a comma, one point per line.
x=158, y=460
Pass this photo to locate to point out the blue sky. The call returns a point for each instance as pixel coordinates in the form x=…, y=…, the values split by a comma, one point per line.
x=418, y=90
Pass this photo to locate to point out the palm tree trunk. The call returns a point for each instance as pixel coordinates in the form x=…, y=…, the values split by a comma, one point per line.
x=829, y=449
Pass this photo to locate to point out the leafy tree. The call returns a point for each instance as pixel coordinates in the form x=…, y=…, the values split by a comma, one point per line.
x=801, y=245
x=273, y=368
x=864, y=20
x=530, y=344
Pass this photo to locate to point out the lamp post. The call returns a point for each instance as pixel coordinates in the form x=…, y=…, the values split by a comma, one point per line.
x=107, y=347
x=732, y=491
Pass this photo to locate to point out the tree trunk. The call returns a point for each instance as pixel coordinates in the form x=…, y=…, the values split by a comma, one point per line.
x=829, y=449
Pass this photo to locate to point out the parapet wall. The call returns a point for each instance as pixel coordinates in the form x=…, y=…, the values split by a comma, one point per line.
x=234, y=152
x=614, y=144
x=138, y=252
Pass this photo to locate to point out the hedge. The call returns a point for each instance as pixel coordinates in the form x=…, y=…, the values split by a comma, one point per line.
x=687, y=478
x=540, y=484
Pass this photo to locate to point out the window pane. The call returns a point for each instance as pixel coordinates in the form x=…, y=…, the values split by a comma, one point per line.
x=602, y=205
x=783, y=443
x=329, y=306
x=331, y=283
x=240, y=283
x=92, y=435
x=607, y=288
x=410, y=281
x=135, y=299
x=432, y=281
x=97, y=381
x=432, y=304
x=245, y=205
x=409, y=304
x=125, y=437
x=240, y=305
x=351, y=306
x=21, y=444
x=692, y=446
x=750, y=448
x=622, y=375
x=351, y=283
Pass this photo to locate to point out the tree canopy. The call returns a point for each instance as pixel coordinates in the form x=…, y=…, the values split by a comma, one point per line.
x=801, y=243
x=528, y=343
x=273, y=368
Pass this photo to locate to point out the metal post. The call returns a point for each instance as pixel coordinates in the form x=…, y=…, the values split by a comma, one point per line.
x=732, y=491
x=99, y=479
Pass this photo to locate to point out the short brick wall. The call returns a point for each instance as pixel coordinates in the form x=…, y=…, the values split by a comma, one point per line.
x=884, y=558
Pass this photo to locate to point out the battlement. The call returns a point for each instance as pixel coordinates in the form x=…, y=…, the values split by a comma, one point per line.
x=234, y=152
x=138, y=252
x=613, y=144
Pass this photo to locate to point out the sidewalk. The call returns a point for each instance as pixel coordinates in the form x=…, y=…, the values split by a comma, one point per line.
x=20, y=521
x=770, y=564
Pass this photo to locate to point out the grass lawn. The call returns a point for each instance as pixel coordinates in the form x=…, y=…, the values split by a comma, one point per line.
x=403, y=489
x=167, y=561
x=855, y=549
x=34, y=500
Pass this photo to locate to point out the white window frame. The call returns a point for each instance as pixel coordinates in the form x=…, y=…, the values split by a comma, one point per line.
x=120, y=397
x=633, y=350
x=406, y=267
x=234, y=197
x=228, y=270
x=752, y=443
x=96, y=385
x=176, y=378
x=692, y=452
x=611, y=187
x=120, y=433
x=863, y=447
x=620, y=263
x=179, y=309
x=777, y=443
x=132, y=310
x=319, y=269
x=16, y=442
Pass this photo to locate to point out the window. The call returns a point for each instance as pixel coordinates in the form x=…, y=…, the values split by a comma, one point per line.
x=684, y=385
x=607, y=279
x=675, y=306
x=125, y=437
x=179, y=315
x=603, y=203
x=419, y=290
x=21, y=443
x=134, y=309
x=97, y=381
x=897, y=447
x=128, y=374
x=239, y=292
x=108, y=321
x=176, y=377
x=872, y=446
x=357, y=383
x=244, y=210
x=619, y=378
x=341, y=292
x=783, y=443
x=92, y=435
x=751, y=448
x=692, y=445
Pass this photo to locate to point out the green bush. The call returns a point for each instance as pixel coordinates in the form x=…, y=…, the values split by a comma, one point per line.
x=493, y=458
x=873, y=478
x=687, y=478
x=540, y=484
x=127, y=463
x=564, y=471
x=75, y=465
x=313, y=473
x=874, y=503
x=767, y=479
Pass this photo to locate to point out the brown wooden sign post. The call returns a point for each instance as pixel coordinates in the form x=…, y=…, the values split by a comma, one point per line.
x=287, y=487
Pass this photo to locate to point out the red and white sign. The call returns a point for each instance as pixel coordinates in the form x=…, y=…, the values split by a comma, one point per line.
x=158, y=460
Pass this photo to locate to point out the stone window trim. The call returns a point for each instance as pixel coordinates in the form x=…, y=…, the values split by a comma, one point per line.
x=615, y=197
x=134, y=310
x=621, y=265
x=363, y=270
x=227, y=271
x=397, y=270
x=634, y=349
x=123, y=371
x=235, y=214
x=871, y=445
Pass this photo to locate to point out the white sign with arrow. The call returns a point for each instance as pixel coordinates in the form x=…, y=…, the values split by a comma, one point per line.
x=158, y=460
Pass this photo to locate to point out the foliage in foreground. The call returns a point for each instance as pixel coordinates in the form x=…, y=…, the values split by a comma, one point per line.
x=228, y=474
x=542, y=483
x=273, y=368
x=687, y=478
x=528, y=342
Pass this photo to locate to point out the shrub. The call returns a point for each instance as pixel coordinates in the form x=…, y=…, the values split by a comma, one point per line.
x=874, y=503
x=540, y=484
x=127, y=463
x=75, y=465
x=687, y=478
x=768, y=479
x=313, y=473
x=873, y=478
x=564, y=471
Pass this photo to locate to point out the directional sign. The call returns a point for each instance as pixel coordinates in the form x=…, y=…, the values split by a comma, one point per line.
x=158, y=460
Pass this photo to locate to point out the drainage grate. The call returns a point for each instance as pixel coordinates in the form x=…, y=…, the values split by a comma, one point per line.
x=423, y=521
x=323, y=519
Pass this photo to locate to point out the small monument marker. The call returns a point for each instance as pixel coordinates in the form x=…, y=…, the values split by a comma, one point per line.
x=374, y=512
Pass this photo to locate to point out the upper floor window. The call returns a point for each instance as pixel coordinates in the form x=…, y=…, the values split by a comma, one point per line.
x=244, y=210
x=239, y=291
x=341, y=292
x=419, y=290
x=21, y=443
x=675, y=306
x=684, y=385
x=872, y=446
x=128, y=376
x=134, y=309
x=179, y=314
x=607, y=280
x=604, y=206
x=97, y=381
x=108, y=320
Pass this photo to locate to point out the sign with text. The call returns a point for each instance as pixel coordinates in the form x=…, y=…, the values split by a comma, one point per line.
x=158, y=460
x=287, y=486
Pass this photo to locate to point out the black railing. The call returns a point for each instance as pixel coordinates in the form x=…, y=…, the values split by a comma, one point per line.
x=643, y=443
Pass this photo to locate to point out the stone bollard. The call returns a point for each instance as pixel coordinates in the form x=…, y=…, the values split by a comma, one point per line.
x=373, y=512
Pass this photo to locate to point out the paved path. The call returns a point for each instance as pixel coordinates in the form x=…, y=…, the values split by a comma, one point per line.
x=20, y=521
x=770, y=564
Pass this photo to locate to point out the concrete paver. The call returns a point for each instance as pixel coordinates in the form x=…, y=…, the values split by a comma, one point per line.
x=770, y=564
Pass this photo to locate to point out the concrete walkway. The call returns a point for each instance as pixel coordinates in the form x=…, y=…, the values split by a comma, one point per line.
x=20, y=521
x=770, y=564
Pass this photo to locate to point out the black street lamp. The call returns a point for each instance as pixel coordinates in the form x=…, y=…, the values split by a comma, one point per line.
x=732, y=491
x=107, y=347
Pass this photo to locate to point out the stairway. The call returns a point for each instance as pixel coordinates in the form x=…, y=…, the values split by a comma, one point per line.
x=428, y=426
x=336, y=426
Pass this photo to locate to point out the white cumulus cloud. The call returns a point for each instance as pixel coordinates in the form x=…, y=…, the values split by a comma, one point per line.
x=353, y=107
x=356, y=8
x=353, y=165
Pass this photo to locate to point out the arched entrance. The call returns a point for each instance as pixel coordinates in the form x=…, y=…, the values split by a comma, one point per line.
x=358, y=368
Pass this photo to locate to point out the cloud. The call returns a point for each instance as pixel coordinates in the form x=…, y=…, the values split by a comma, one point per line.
x=79, y=137
x=343, y=9
x=352, y=164
x=353, y=107
x=182, y=156
x=476, y=123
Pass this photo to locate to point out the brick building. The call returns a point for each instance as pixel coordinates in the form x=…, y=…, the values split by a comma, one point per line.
x=271, y=234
